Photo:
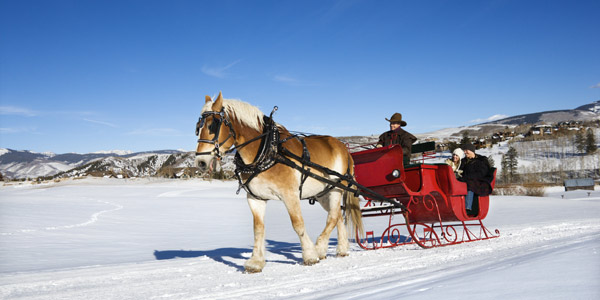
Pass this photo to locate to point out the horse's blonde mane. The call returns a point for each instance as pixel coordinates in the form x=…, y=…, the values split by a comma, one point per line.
x=245, y=113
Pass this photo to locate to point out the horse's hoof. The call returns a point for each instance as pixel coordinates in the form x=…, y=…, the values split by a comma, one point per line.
x=253, y=266
x=251, y=270
x=310, y=262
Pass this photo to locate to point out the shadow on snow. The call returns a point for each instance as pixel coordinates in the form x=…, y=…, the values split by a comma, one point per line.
x=291, y=251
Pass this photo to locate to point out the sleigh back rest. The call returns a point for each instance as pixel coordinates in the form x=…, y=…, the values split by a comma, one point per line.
x=375, y=167
x=426, y=149
x=447, y=181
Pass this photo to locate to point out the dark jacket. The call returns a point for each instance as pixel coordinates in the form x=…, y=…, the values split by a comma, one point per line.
x=478, y=174
x=399, y=137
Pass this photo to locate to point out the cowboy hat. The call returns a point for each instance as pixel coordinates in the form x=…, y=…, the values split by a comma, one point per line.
x=396, y=118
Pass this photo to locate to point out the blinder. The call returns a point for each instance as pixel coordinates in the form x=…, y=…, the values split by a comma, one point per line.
x=215, y=128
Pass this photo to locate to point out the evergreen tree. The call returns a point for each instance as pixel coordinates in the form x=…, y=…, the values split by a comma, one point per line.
x=590, y=142
x=452, y=145
x=504, y=164
x=509, y=164
x=465, y=139
x=579, y=142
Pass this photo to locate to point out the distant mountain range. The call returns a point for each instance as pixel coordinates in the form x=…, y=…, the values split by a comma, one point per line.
x=26, y=164
x=586, y=112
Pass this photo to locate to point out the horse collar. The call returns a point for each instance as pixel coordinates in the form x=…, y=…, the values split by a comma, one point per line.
x=265, y=157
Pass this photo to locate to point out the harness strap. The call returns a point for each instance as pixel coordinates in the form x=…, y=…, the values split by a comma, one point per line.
x=245, y=185
x=303, y=176
x=359, y=189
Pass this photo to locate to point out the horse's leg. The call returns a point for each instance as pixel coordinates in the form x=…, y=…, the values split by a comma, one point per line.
x=343, y=246
x=257, y=262
x=309, y=254
x=331, y=203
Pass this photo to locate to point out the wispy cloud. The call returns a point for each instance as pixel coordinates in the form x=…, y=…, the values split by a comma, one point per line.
x=492, y=118
x=219, y=72
x=596, y=86
x=19, y=111
x=286, y=79
x=101, y=123
x=23, y=111
x=8, y=130
x=289, y=80
x=156, y=132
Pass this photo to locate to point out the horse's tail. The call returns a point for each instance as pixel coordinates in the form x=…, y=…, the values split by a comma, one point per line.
x=353, y=214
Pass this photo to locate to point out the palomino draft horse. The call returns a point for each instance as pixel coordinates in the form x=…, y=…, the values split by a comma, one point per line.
x=261, y=145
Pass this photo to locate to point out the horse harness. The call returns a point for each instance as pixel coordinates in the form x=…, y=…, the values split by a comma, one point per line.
x=271, y=152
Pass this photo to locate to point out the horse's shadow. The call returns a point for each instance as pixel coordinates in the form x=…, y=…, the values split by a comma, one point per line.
x=291, y=251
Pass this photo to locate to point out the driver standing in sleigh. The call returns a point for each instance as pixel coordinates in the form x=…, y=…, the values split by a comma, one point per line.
x=397, y=135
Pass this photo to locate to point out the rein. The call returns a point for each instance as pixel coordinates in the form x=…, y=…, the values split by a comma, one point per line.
x=272, y=152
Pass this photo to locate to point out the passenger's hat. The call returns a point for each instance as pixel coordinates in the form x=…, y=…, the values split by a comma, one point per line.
x=459, y=153
x=396, y=118
x=469, y=146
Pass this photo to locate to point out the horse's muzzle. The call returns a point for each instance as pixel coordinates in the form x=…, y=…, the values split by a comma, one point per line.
x=206, y=163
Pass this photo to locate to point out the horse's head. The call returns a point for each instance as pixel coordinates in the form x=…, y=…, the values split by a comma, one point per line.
x=215, y=134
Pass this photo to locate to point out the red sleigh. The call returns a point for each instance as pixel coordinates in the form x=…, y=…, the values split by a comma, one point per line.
x=435, y=212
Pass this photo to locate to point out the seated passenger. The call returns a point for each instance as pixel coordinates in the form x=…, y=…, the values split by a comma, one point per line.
x=457, y=155
x=397, y=135
x=476, y=173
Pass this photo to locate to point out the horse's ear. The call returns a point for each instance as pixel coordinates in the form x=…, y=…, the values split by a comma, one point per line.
x=218, y=103
x=207, y=99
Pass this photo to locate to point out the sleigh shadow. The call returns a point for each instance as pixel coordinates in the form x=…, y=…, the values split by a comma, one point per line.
x=291, y=251
x=388, y=240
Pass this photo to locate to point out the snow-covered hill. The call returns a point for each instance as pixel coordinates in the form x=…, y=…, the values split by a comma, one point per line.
x=27, y=164
x=586, y=112
x=139, y=165
x=99, y=238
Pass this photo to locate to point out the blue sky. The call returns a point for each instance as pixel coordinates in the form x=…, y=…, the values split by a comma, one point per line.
x=82, y=76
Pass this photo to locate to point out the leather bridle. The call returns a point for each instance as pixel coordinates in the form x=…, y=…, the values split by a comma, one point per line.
x=222, y=117
x=217, y=123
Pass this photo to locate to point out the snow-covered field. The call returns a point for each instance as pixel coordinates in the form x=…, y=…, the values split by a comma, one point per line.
x=162, y=239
